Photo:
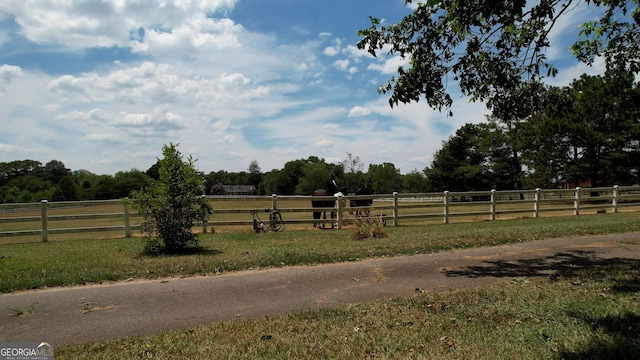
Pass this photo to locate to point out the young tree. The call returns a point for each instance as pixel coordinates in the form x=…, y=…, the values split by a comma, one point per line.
x=172, y=204
x=491, y=47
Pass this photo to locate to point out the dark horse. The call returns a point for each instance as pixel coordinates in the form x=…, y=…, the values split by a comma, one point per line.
x=331, y=188
x=361, y=205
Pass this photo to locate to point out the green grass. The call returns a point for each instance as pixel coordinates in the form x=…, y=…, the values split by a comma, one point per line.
x=591, y=313
x=70, y=262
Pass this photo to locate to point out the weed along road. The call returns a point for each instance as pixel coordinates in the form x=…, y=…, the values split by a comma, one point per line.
x=84, y=314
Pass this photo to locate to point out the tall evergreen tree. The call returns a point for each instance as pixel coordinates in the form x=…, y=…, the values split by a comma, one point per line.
x=462, y=162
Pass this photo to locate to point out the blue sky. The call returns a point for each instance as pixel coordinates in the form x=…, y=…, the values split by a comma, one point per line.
x=103, y=85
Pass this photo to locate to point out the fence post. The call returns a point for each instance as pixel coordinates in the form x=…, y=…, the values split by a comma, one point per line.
x=536, y=203
x=204, y=217
x=44, y=207
x=493, y=204
x=446, y=207
x=127, y=223
x=395, y=208
x=339, y=210
x=576, y=202
x=274, y=202
x=616, y=194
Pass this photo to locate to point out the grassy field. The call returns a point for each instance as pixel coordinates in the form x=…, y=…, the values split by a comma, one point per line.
x=592, y=313
x=295, y=211
x=83, y=260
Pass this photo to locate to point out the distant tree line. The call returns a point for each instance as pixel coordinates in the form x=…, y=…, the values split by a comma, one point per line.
x=584, y=134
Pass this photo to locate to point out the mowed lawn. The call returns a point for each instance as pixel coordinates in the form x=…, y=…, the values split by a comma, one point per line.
x=591, y=313
x=84, y=260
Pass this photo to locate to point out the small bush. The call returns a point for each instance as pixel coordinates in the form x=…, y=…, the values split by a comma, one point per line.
x=370, y=227
x=172, y=204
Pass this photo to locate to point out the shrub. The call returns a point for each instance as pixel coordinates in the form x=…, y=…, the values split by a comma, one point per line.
x=172, y=204
x=369, y=227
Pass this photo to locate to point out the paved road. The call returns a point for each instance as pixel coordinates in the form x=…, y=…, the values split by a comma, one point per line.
x=84, y=314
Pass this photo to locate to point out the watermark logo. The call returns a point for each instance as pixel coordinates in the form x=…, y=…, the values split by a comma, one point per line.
x=26, y=351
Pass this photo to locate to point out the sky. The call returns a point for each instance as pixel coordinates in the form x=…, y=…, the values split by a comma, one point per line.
x=104, y=85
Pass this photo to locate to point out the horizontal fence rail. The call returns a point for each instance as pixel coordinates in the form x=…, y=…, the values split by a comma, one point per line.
x=35, y=219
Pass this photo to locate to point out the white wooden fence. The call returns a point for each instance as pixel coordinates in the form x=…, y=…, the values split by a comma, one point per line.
x=396, y=208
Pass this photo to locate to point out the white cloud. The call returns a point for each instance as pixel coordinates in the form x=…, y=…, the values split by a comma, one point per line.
x=324, y=143
x=331, y=127
x=186, y=40
x=104, y=137
x=357, y=111
x=8, y=148
x=341, y=64
x=356, y=54
x=149, y=83
x=7, y=74
x=335, y=49
x=331, y=51
x=390, y=65
x=110, y=23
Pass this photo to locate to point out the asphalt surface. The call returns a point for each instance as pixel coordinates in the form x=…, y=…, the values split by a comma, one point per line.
x=85, y=314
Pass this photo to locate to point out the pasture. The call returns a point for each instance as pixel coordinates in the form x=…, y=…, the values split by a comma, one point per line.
x=65, y=220
x=587, y=313
x=75, y=260
x=584, y=314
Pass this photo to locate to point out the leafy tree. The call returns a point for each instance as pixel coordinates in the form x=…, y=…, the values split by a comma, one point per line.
x=500, y=144
x=172, y=204
x=68, y=189
x=289, y=177
x=491, y=47
x=13, y=169
x=105, y=188
x=586, y=132
x=293, y=173
x=546, y=139
x=462, y=162
x=414, y=182
x=215, y=180
x=30, y=182
x=86, y=181
x=607, y=110
x=9, y=194
x=55, y=170
x=384, y=178
x=354, y=178
x=127, y=181
x=255, y=174
x=154, y=171
x=315, y=177
x=615, y=35
x=269, y=183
